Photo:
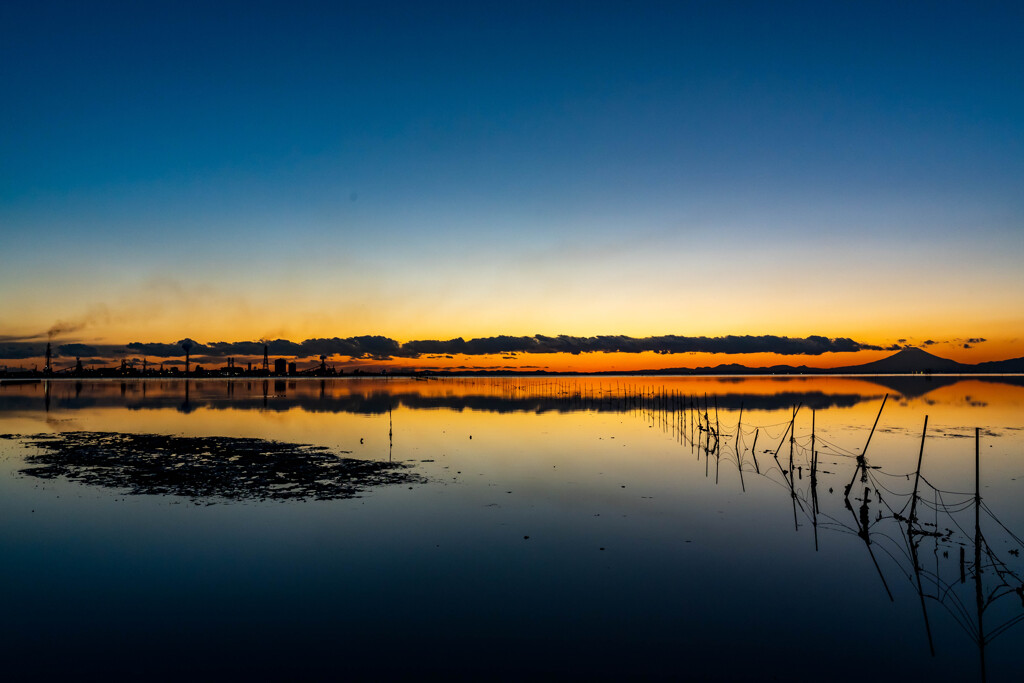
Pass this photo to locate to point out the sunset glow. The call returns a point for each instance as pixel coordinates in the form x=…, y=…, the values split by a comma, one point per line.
x=598, y=169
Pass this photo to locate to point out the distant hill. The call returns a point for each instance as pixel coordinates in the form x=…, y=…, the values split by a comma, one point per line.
x=908, y=361
x=1012, y=365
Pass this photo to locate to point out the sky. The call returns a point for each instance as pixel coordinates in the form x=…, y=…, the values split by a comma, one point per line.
x=230, y=172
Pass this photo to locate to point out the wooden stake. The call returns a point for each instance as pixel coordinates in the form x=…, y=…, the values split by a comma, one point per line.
x=862, y=458
x=739, y=428
x=917, y=475
x=753, y=450
x=814, y=453
x=792, y=443
x=776, y=454
x=913, y=544
x=718, y=429
x=978, y=594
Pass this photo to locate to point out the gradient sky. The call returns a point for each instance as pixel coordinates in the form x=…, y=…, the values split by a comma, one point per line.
x=234, y=171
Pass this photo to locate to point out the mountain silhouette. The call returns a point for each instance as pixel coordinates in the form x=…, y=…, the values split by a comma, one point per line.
x=908, y=360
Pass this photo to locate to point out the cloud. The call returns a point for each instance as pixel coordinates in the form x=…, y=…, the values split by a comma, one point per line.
x=21, y=350
x=169, y=350
x=77, y=350
x=375, y=347
x=505, y=345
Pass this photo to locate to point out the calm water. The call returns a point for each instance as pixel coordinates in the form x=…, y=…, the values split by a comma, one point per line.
x=582, y=527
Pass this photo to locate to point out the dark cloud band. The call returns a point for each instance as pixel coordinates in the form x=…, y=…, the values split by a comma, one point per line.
x=383, y=348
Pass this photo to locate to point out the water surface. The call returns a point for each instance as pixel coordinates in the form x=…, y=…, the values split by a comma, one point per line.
x=585, y=527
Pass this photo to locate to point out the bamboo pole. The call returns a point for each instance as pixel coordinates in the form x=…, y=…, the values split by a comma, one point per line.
x=814, y=453
x=913, y=545
x=978, y=593
x=753, y=450
x=862, y=458
x=785, y=434
x=739, y=428
x=917, y=474
x=792, y=444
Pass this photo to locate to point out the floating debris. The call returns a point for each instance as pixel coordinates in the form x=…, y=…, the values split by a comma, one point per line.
x=200, y=468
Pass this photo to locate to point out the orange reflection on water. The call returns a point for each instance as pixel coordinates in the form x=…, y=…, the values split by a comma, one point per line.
x=511, y=427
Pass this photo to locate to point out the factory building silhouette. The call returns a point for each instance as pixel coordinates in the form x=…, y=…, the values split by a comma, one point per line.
x=142, y=367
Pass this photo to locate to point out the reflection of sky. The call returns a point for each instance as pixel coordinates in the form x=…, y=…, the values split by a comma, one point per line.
x=953, y=402
x=519, y=421
x=591, y=169
x=634, y=538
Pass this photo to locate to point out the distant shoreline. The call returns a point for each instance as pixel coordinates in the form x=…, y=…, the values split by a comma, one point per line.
x=908, y=361
x=485, y=373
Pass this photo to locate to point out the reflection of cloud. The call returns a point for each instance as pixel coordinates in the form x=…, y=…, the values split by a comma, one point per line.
x=379, y=400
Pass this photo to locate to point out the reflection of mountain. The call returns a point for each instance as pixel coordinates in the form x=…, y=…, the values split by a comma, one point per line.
x=914, y=386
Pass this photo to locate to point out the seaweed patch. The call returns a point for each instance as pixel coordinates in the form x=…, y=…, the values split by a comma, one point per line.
x=218, y=468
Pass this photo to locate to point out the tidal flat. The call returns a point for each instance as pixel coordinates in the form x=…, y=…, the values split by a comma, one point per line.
x=762, y=528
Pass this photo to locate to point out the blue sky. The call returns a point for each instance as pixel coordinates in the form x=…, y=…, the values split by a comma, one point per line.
x=484, y=159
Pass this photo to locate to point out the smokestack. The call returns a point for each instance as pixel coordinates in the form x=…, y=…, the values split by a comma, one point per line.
x=49, y=353
x=266, y=358
x=187, y=345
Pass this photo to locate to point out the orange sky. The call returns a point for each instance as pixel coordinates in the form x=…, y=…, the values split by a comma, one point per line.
x=643, y=186
x=598, y=362
x=595, y=362
x=630, y=362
